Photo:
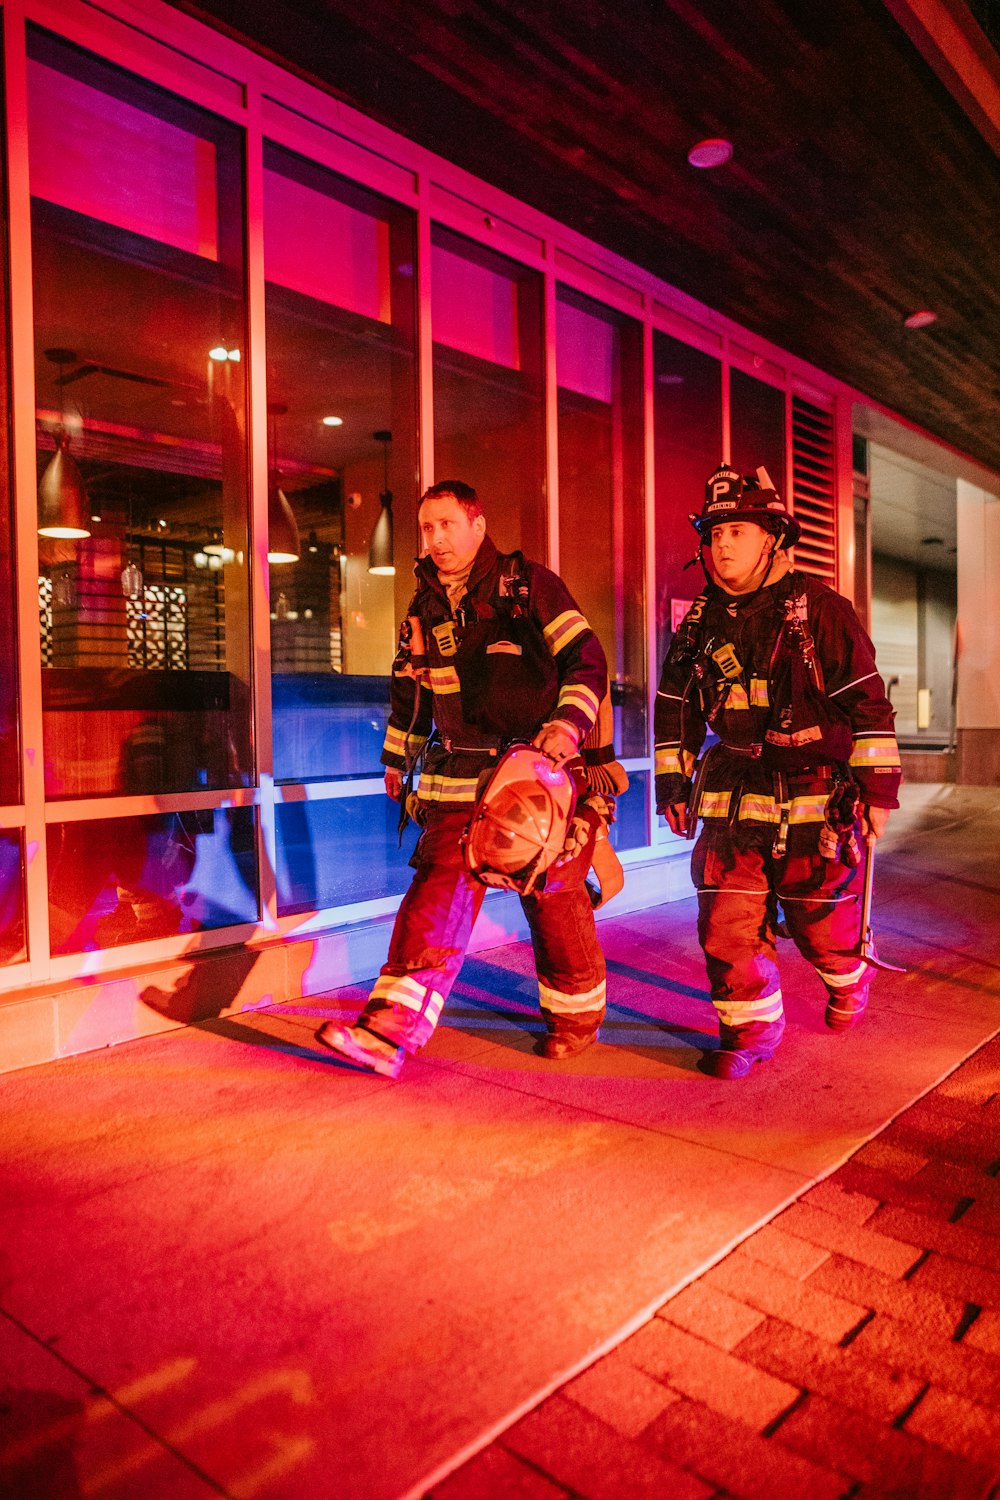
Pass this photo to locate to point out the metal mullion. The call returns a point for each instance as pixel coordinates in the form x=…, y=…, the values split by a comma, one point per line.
x=649, y=484
x=23, y=463
x=551, y=385
x=137, y=958
x=103, y=34
x=260, y=595
x=83, y=810
x=327, y=791
x=12, y=816
x=425, y=339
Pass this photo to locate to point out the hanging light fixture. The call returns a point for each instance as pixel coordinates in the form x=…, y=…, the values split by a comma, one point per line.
x=283, y=544
x=63, y=509
x=380, y=548
x=132, y=581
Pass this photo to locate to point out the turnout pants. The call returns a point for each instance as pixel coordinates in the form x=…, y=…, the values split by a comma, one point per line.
x=740, y=883
x=434, y=924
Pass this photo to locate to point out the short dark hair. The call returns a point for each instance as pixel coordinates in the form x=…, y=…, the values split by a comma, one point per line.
x=457, y=490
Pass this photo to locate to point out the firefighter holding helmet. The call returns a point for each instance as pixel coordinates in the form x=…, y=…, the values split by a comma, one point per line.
x=499, y=687
x=774, y=664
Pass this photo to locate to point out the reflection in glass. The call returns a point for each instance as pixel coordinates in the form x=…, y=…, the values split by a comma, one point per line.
x=12, y=930
x=314, y=838
x=341, y=383
x=757, y=427
x=631, y=830
x=687, y=413
x=601, y=494
x=123, y=880
x=137, y=238
x=489, y=420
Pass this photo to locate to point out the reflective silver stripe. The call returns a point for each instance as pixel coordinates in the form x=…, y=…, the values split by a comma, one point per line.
x=563, y=1004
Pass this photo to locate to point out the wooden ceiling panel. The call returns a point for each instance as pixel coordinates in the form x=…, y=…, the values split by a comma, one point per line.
x=858, y=193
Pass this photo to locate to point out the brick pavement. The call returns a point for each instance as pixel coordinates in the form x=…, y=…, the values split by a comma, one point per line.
x=851, y=1347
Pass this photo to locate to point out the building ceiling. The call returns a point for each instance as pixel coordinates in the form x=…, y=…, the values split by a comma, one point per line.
x=859, y=192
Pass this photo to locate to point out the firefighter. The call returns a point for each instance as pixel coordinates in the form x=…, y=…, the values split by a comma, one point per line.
x=493, y=650
x=774, y=664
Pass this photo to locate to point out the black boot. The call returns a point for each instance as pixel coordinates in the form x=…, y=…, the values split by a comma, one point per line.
x=565, y=1036
x=742, y=1046
x=845, y=1007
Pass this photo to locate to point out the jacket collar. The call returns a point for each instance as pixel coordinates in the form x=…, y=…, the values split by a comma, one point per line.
x=484, y=563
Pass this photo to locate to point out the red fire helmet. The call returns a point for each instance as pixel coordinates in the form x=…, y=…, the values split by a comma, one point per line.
x=520, y=821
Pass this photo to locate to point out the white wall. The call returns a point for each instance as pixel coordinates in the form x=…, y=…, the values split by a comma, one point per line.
x=978, y=611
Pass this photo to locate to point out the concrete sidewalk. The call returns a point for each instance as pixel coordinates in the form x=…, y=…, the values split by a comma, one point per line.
x=235, y=1267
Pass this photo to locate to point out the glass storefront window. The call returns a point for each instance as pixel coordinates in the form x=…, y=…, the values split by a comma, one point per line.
x=687, y=412
x=122, y=880
x=631, y=828
x=340, y=850
x=489, y=414
x=10, y=777
x=12, y=930
x=341, y=388
x=137, y=237
x=601, y=493
x=757, y=427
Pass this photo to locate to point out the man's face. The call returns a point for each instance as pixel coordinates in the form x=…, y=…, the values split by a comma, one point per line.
x=740, y=554
x=447, y=534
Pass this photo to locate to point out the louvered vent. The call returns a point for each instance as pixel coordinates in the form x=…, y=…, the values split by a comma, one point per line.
x=813, y=491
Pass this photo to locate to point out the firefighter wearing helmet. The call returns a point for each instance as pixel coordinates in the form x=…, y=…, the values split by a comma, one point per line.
x=772, y=667
x=500, y=692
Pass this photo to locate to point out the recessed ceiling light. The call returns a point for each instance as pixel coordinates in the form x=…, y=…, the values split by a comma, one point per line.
x=333, y=421
x=922, y=319
x=711, y=153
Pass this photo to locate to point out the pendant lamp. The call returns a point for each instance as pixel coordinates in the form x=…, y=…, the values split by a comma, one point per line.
x=283, y=544
x=63, y=508
x=380, y=548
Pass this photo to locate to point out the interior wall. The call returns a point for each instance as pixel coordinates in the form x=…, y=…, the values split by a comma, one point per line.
x=978, y=636
x=895, y=626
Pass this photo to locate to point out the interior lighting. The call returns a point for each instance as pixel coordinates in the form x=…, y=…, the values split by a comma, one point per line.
x=714, y=152
x=922, y=319
x=219, y=353
x=380, y=548
x=63, y=504
x=283, y=544
x=333, y=421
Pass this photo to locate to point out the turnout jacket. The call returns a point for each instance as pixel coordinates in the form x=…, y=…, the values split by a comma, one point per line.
x=515, y=653
x=786, y=678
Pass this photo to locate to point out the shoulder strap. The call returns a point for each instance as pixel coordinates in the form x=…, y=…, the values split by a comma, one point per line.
x=515, y=582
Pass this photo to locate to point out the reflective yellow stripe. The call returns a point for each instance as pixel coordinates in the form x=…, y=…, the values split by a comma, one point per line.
x=444, y=680
x=758, y=692
x=403, y=989
x=447, y=788
x=757, y=807
x=882, y=751
x=562, y=1004
x=737, y=697
x=842, y=981
x=668, y=760
x=563, y=629
x=767, y=1008
x=807, y=810
x=396, y=740
x=578, y=695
